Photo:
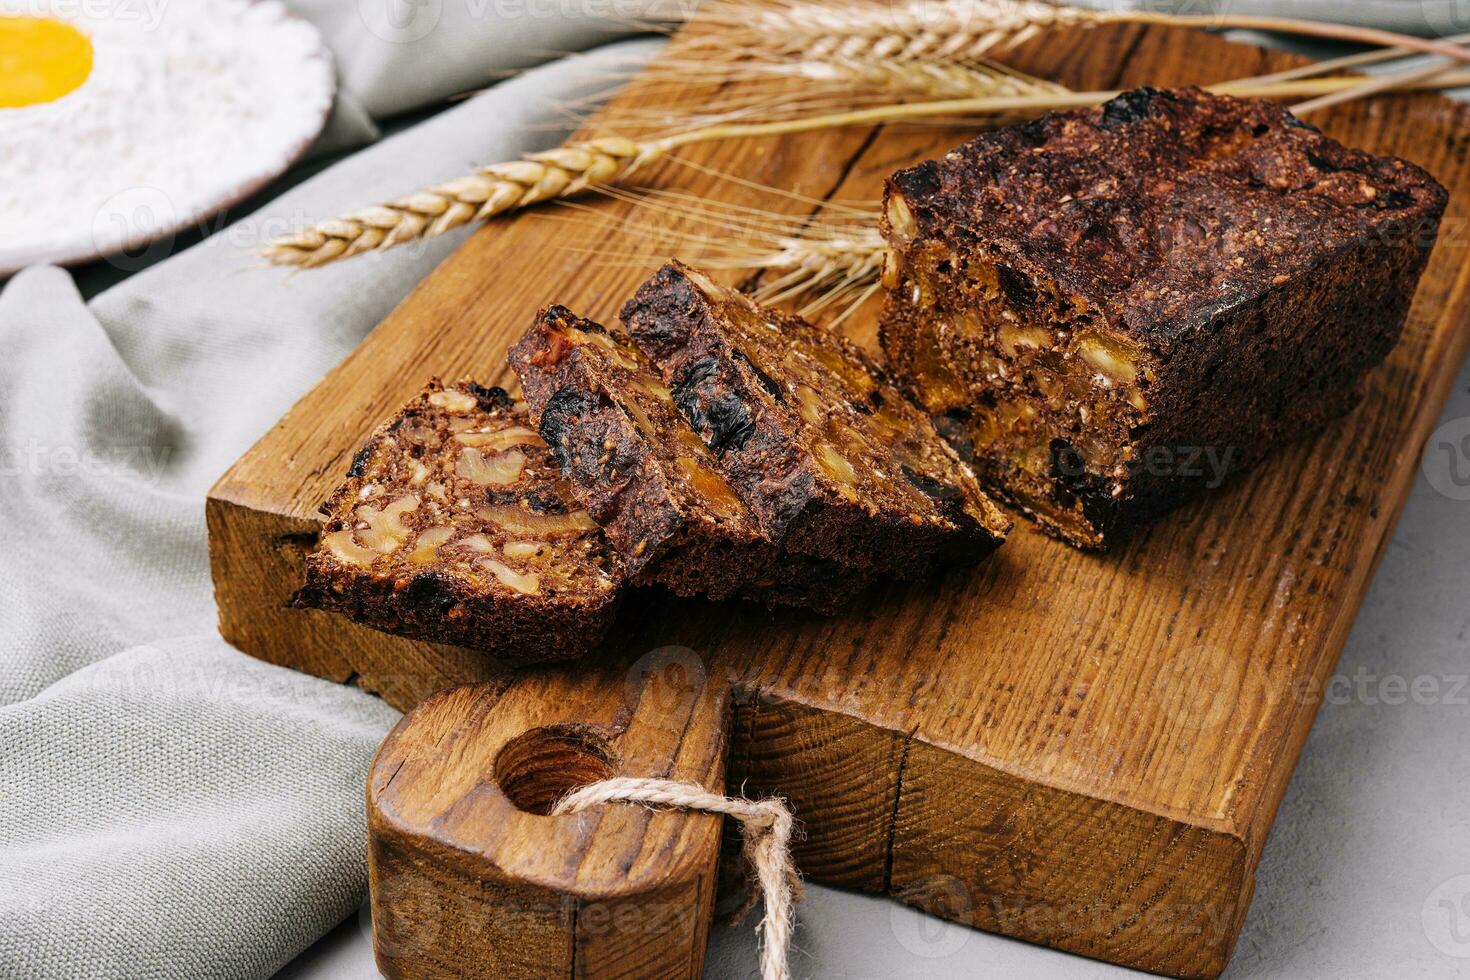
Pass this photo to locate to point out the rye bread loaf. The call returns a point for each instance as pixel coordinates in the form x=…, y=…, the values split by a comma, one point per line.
x=1115, y=307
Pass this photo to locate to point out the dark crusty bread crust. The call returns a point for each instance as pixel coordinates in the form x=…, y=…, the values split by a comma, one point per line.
x=647, y=478
x=833, y=461
x=455, y=526
x=1197, y=272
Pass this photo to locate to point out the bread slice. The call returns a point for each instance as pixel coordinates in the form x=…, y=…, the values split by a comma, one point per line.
x=455, y=526
x=833, y=461
x=649, y=480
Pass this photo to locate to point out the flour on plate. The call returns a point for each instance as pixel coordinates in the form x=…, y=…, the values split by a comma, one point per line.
x=189, y=107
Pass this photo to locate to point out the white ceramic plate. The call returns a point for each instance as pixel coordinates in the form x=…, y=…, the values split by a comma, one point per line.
x=189, y=108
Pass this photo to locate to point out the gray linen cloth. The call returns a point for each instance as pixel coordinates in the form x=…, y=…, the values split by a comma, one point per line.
x=170, y=808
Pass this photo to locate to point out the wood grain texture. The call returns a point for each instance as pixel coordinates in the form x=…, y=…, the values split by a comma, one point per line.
x=1081, y=750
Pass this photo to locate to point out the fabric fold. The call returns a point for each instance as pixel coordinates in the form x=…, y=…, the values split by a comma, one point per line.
x=169, y=807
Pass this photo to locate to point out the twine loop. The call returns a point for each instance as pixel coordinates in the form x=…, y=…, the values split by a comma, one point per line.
x=766, y=827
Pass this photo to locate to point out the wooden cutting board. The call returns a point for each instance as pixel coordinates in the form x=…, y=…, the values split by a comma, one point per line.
x=1081, y=750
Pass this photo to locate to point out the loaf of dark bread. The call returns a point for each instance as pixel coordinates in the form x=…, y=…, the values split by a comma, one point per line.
x=831, y=459
x=1116, y=306
x=455, y=526
x=647, y=478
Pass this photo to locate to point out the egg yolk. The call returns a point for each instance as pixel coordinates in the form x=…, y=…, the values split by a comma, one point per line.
x=40, y=60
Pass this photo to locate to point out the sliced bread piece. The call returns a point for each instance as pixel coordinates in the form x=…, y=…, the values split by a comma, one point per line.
x=643, y=474
x=454, y=525
x=832, y=459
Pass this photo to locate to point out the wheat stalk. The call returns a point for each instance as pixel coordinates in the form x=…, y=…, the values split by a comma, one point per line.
x=959, y=29
x=1334, y=66
x=489, y=191
x=954, y=89
x=1436, y=74
x=766, y=92
x=859, y=46
x=935, y=78
x=569, y=170
x=834, y=257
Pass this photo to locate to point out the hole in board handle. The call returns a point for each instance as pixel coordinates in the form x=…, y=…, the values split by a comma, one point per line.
x=537, y=768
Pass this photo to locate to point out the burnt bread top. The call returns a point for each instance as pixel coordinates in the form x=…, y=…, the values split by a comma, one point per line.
x=822, y=448
x=1163, y=209
x=454, y=525
x=632, y=460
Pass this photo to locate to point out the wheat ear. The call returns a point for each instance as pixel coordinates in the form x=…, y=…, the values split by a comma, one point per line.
x=816, y=262
x=958, y=29
x=563, y=172
x=567, y=171
x=489, y=191
x=766, y=92
x=909, y=31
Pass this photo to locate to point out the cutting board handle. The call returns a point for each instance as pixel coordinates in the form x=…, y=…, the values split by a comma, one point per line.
x=469, y=875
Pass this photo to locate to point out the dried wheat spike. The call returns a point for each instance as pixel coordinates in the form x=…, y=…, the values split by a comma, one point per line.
x=833, y=260
x=856, y=38
x=487, y=192
x=931, y=79
x=959, y=29
x=906, y=30
x=780, y=89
